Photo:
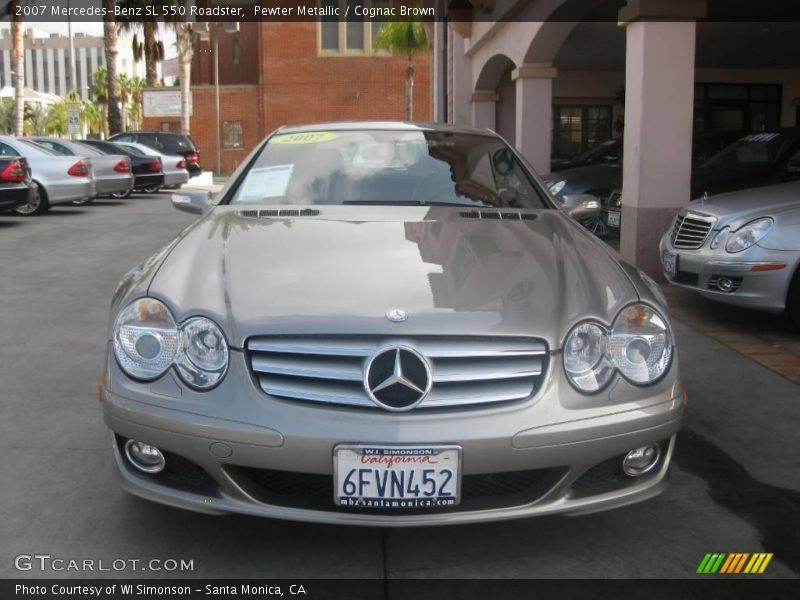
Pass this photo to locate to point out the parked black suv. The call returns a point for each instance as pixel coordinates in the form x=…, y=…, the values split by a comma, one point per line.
x=166, y=143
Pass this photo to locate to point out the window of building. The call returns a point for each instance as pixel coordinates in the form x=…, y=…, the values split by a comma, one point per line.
x=235, y=47
x=736, y=106
x=233, y=134
x=577, y=128
x=354, y=36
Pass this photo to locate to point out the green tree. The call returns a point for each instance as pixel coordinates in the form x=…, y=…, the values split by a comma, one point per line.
x=145, y=44
x=110, y=32
x=56, y=121
x=99, y=90
x=92, y=116
x=7, y=115
x=125, y=94
x=18, y=62
x=35, y=119
x=406, y=37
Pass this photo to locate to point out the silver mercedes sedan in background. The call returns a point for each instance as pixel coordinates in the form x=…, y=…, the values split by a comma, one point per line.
x=55, y=179
x=741, y=248
x=112, y=173
x=389, y=324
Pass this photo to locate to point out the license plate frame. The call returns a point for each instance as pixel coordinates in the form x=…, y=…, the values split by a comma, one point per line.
x=670, y=263
x=449, y=456
x=613, y=218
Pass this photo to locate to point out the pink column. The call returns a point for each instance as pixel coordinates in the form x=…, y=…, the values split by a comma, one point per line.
x=483, y=109
x=659, y=98
x=534, y=113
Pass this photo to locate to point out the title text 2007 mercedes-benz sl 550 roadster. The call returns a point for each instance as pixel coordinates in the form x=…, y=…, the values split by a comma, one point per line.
x=389, y=324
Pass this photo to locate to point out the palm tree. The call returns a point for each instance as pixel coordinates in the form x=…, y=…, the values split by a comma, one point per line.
x=407, y=37
x=99, y=89
x=183, y=43
x=35, y=120
x=137, y=85
x=110, y=47
x=7, y=113
x=146, y=43
x=91, y=116
x=18, y=56
x=124, y=96
x=56, y=120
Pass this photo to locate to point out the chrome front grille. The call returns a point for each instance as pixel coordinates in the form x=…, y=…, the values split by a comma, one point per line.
x=465, y=370
x=691, y=230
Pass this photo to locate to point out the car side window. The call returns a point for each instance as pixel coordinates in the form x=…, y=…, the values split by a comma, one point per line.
x=6, y=150
x=124, y=138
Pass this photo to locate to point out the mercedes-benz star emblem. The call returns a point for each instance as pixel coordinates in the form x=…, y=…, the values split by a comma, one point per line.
x=397, y=378
x=397, y=316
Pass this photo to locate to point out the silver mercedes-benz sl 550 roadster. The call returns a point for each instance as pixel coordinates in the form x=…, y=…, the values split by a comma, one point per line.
x=389, y=324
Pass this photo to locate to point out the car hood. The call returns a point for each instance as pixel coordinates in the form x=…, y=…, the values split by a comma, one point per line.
x=341, y=271
x=579, y=180
x=744, y=205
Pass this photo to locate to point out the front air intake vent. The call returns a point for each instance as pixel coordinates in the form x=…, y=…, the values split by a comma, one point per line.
x=497, y=215
x=273, y=213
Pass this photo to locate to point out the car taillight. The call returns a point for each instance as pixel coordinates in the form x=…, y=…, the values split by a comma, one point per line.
x=155, y=165
x=13, y=173
x=123, y=166
x=192, y=157
x=181, y=165
x=79, y=169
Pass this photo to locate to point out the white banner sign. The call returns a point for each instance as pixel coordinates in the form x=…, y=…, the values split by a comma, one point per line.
x=74, y=120
x=163, y=103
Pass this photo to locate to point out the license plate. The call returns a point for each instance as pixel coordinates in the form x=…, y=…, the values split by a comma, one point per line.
x=397, y=477
x=613, y=218
x=670, y=264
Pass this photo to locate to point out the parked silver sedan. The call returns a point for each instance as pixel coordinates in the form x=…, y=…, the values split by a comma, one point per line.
x=112, y=173
x=740, y=248
x=173, y=165
x=55, y=179
x=389, y=324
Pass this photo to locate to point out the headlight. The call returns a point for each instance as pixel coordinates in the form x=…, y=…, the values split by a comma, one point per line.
x=204, y=353
x=147, y=342
x=749, y=235
x=556, y=187
x=586, y=357
x=720, y=235
x=146, y=339
x=638, y=345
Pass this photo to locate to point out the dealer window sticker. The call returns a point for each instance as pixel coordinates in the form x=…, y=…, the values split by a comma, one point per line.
x=311, y=137
x=266, y=182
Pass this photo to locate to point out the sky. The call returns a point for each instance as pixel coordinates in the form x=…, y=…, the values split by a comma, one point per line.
x=61, y=27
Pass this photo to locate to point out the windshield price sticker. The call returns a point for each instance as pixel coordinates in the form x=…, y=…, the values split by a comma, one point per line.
x=312, y=137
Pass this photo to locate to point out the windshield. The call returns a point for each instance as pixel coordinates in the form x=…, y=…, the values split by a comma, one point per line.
x=751, y=151
x=388, y=167
x=597, y=152
x=133, y=150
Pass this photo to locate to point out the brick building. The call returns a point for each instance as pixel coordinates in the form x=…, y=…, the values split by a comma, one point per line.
x=279, y=73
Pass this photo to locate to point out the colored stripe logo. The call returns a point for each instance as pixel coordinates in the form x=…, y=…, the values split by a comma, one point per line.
x=734, y=563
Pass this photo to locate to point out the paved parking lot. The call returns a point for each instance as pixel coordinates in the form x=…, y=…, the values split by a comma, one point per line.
x=735, y=482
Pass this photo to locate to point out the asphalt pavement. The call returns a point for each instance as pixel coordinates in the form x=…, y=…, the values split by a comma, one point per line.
x=735, y=483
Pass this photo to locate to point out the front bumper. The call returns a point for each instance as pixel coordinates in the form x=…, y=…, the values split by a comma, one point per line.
x=762, y=290
x=572, y=441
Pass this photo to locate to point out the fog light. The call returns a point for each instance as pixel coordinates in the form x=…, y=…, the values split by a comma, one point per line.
x=641, y=460
x=725, y=284
x=144, y=457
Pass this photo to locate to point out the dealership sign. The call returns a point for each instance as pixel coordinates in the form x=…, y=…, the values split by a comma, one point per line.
x=163, y=103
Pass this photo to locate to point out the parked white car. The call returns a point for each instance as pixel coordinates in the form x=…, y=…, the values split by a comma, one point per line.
x=173, y=165
x=55, y=179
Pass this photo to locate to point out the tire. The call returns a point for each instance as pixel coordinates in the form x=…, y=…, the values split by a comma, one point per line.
x=121, y=195
x=37, y=204
x=793, y=301
x=151, y=190
x=83, y=201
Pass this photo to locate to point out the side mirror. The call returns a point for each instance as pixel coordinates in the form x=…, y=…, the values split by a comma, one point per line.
x=196, y=201
x=581, y=206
